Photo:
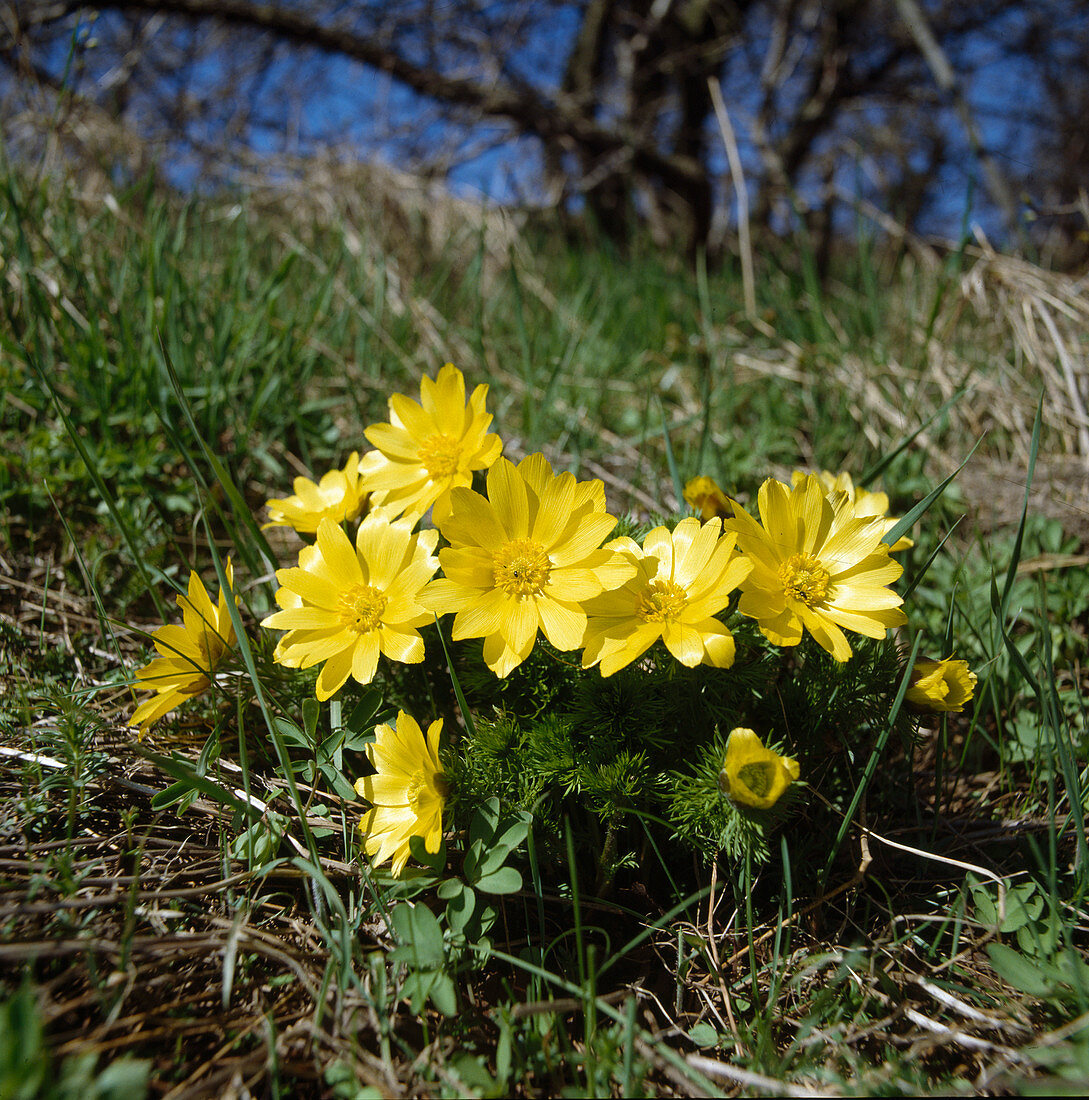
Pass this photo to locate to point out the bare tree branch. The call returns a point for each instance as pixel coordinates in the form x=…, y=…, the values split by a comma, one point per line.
x=614, y=95
x=947, y=81
x=552, y=120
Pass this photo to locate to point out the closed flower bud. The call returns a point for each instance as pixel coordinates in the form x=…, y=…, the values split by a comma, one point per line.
x=703, y=494
x=937, y=687
x=753, y=775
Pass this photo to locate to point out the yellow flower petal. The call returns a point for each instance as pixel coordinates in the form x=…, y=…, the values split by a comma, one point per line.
x=536, y=472
x=444, y=398
x=334, y=673
x=584, y=535
x=499, y=656
x=394, y=443
x=703, y=494
x=940, y=686
x=718, y=644
x=473, y=520
x=442, y=597
x=520, y=622
x=338, y=554
x=692, y=553
x=563, y=623
x=684, y=642
x=659, y=544
x=508, y=495
x=554, y=511
x=315, y=589
x=485, y=616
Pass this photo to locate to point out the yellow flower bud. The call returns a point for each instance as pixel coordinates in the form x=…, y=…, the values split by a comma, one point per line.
x=940, y=686
x=703, y=494
x=753, y=775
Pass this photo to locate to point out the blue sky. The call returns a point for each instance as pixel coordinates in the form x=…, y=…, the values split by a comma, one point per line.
x=366, y=114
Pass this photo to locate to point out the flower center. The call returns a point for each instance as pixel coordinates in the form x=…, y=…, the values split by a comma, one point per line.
x=521, y=568
x=759, y=777
x=420, y=793
x=417, y=787
x=804, y=578
x=660, y=602
x=361, y=608
x=213, y=647
x=440, y=456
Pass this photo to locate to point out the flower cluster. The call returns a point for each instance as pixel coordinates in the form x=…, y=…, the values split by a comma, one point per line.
x=523, y=553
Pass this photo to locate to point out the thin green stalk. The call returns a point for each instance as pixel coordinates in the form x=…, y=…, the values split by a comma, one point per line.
x=781, y=944
x=466, y=713
x=871, y=765
x=746, y=889
x=572, y=865
x=538, y=891
x=674, y=473
x=628, y=1047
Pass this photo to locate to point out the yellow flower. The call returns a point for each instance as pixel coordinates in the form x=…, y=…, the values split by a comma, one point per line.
x=426, y=450
x=939, y=686
x=704, y=495
x=189, y=653
x=338, y=496
x=682, y=580
x=867, y=504
x=345, y=605
x=753, y=775
x=524, y=558
x=816, y=566
x=407, y=794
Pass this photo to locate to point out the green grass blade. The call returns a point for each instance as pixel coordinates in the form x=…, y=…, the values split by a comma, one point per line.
x=905, y=523
x=872, y=763
x=887, y=459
